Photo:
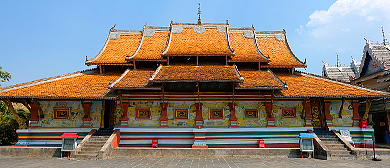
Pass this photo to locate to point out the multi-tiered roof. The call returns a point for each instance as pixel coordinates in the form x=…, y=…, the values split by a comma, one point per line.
x=189, y=53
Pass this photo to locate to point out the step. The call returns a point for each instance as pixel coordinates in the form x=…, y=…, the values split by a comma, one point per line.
x=103, y=137
x=92, y=145
x=96, y=142
x=92, y=153
x=90, y=149
x=326, y=136
x=86, y=157
x=340, y=152
x=331, y=142
x=338, y=145
x=342, y=157
x=335, y=148
x=329, y=139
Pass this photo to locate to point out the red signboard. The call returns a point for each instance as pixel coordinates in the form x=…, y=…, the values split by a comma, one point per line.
x=154, y=143
x=363, y=124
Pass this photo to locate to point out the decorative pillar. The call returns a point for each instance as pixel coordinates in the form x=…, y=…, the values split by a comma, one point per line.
x=233, y=118
x=164, y=116
x=124, y=118
x=308, y=117
x=270, y=116
x=199, y=138
x=198, y=118
x=87, y=115
x=328, y=117
x=33, y=116
x=356, y=118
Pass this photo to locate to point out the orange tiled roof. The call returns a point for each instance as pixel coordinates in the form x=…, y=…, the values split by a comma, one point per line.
x=209, y=73
x=260, y=80
x=303, y=85
x=245, y=49
x=116, y=50
x=189, y=43
x=152, y=47
x=278, y=51
x=86, y=85
x=133, y=79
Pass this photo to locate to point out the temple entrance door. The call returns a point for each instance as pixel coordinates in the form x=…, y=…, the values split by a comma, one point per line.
x=379, y=118
x=317, y=112
x=109, y=117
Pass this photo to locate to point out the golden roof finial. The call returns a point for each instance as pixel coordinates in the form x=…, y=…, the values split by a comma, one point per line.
x=199, y=20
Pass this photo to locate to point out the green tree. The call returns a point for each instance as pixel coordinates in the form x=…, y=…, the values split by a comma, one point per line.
x=8, y=124
x=4, y=75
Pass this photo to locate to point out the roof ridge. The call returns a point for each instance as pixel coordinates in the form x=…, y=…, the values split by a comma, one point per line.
x=257, y=48
x=228, y=40
x=203, y=24
x=156, y=72
x=277, y=78
x=34, y=82
x=169, y=43
x=100, y=52
x=340, y=82
x=139, y=47
x=289, y=49
x=119, y=79
x=269, y=32
x=237, y=72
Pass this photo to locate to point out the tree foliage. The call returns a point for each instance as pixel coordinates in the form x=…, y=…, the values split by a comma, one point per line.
x=8, y=124
x=4, y=75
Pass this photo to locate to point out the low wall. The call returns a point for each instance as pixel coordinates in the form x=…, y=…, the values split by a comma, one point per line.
x=30, y=151
x=367, y=153
x=209, y=153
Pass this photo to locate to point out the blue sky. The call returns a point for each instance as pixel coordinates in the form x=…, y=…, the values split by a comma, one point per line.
x=40, y=39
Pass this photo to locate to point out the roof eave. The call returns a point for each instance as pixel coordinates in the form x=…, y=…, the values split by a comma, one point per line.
x=162, y=81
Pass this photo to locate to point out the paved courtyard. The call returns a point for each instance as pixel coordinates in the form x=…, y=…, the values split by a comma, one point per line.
x=6, y=161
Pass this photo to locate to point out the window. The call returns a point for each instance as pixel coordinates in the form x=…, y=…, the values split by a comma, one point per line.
x=289, y=113
x=61, y=113
x=216, y=113
x=181, y=113
x=143, y=114
x=251, y=113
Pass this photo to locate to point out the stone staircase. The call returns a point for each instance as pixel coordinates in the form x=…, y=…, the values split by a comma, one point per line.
x=90, y=149
x=337, y=148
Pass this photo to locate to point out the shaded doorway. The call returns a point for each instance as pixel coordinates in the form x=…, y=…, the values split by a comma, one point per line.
x=109, y=111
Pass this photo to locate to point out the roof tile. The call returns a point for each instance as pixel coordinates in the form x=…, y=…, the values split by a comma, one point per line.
x=88, y=85
x=152, y=47
x=189, y=43
x=117, y=50
x=244, y=49
x=134, y=79
x=302, y=85
x=197, y=73
x=259, y=80
x=277, y=51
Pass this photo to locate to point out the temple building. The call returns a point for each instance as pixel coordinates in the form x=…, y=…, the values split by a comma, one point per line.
x=191, y=85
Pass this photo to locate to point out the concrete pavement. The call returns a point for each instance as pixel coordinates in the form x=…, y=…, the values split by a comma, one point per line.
x=7, y=161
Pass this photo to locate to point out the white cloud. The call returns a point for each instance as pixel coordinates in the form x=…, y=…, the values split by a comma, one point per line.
x=348, y=15
x=300, y=30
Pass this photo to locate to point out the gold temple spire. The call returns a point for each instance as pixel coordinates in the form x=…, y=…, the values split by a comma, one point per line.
x=199, y=20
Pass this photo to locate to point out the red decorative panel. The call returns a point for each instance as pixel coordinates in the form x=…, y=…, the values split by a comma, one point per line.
x=251, y=113
x=216, y=113
x=61, y=113
x=143, y=114
x=289, y=113
x=181, y=113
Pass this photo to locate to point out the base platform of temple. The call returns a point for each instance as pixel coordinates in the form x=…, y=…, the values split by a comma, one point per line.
x=362, y=153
